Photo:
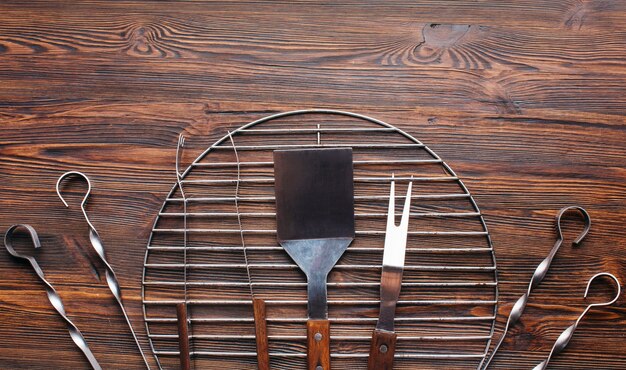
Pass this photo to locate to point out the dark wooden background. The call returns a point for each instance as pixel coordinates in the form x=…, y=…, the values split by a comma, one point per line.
x=524, y=99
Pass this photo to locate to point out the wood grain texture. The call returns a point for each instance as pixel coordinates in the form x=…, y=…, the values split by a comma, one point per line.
x=524, y=99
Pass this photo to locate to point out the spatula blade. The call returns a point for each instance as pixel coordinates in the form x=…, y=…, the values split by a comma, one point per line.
x=314, y=193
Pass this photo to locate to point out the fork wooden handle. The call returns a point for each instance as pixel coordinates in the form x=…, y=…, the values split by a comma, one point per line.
x=382, y=350
x=318, y=344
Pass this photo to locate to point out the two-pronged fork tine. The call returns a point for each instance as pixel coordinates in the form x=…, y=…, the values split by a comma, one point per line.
x=383, y=344
x=395, y=236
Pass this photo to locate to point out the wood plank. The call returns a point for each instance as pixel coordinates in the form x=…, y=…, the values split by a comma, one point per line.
x=524, y=99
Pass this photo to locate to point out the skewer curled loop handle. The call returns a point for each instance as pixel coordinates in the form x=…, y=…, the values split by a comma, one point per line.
x=53, y=296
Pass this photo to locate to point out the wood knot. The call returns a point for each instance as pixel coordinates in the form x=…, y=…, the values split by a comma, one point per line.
x=140, y=41
x=450, y=44
x=575, y=16
x=497, y=92
x=147, y=40
x=444, y=35
x=579, y=13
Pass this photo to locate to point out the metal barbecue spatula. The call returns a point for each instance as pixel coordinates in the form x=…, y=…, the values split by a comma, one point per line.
x=383, y=344
x=315, y=224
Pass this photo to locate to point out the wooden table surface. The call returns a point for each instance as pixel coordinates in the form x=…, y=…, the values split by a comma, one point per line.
x=524, y=99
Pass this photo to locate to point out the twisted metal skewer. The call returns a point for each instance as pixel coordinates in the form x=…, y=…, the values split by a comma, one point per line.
x=53, y=296
x=97, y=244
x=539, y=274
x=567, y=334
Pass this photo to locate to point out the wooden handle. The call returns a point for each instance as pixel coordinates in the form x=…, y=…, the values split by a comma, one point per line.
x=382, y=350
x=318, y=344
x=260, y=327
x=183, y=336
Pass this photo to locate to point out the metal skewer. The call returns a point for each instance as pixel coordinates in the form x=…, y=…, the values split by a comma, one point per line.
x=539, y=274
x=53, y=296
x=97, y=244
x=567, y=335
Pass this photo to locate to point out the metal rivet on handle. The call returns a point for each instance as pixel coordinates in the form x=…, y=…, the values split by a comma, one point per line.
x=319, y=367
x=318, y=337
x=383, y=348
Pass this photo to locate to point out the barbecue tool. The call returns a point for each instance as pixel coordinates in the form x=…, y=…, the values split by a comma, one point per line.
x=97, y=244
x=182, y=320
x=258, y=304
x=539, y=274
x=383, y=343
x=260, y=334
x=568, y=333
x=182, y=309
x=384, y=148
x=53, y=296
x=315, y=224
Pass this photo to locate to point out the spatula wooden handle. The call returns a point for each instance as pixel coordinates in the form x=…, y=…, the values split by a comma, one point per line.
x=382, y=350
x=318, y=344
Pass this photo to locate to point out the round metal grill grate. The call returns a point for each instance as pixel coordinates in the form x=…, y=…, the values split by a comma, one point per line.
x=447, y=306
